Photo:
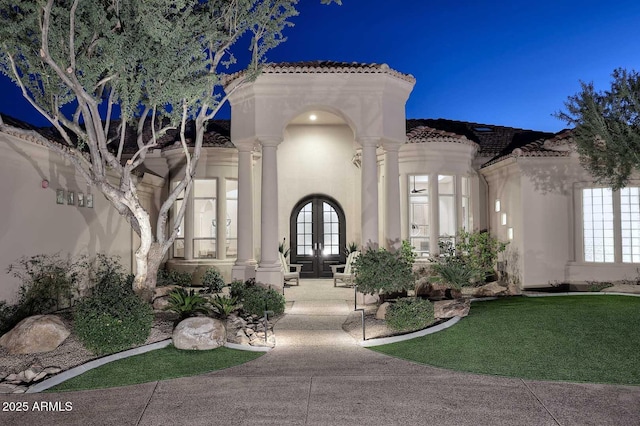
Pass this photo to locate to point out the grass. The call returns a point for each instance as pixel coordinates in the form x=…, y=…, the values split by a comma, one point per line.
x=161, y=364
x=592, y=339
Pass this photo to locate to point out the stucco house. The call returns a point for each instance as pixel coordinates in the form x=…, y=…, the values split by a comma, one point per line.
x=322, y=154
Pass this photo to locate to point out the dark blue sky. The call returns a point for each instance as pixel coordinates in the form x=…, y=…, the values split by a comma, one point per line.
x=508, y=63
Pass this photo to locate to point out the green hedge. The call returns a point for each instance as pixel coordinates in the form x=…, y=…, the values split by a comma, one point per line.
x=409, y=314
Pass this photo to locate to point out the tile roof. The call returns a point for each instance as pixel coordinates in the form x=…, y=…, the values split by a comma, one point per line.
x=493, y=140
x=325, y=67
x=497, y=142
x=426, y=134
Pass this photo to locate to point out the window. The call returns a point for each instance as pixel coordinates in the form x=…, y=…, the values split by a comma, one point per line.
x=497, y=206
x=630, y=224
x=447, y=206
x=610, y=224
x=204, y=218
x=304, y=222
x=419, y=214
x=597, y=220
x=232, y=217
x=331, y=232
x=178, y=244
x=465, y=204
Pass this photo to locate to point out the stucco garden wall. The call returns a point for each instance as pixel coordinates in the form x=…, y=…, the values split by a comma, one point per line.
x=32, y=223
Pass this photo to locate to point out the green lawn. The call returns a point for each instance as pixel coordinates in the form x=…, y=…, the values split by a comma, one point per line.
x=569, y=338
x=161, y=364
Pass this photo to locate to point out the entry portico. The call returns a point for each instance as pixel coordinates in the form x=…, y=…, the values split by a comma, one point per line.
x=369, y=99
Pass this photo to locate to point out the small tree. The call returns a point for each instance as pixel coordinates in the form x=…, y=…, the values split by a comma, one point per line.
x=382, y=271
x=607, y=128
x=158, y=63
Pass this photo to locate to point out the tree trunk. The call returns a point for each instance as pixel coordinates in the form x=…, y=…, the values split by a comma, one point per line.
x=145, y=278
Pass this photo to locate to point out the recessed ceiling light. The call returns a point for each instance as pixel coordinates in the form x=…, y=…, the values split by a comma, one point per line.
x=313, y=117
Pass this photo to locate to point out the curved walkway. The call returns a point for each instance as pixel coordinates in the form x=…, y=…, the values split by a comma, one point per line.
x=318, y=375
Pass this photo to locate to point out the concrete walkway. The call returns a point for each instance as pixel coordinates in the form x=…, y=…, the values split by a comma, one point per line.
x=318, y=375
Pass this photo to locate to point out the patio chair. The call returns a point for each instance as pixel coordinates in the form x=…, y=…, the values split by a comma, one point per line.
x=286, y=270
x=346, y=276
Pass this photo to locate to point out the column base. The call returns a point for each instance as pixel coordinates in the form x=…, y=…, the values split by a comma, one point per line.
x=270, y=276
x=244, y=271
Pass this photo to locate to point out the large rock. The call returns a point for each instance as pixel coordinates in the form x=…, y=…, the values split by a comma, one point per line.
x=163, y=291
x=199, y=333
x=493, y=290
x=381, y=313
x=435, y=290
x=451, y=308
x=35, y=334
x=161, y=303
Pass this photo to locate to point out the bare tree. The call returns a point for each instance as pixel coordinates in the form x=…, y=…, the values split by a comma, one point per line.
x=157, y=64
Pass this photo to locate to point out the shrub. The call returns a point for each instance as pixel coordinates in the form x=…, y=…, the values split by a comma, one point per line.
x=212, y=281
x=238, y=287
x=409, y=314
x=407, y=253
x=8, y=317
x=382, y=271
x=479, y=250
x=48, y=283
x=112, y=318
x=256, y=300
x=224, y=306
x=187, y=303
x=173, y=277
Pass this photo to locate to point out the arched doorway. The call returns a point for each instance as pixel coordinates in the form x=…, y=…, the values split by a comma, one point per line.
x=318, y=236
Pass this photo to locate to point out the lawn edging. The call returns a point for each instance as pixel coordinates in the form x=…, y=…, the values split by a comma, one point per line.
x=76, y=371
x=409, y=336
x=580, y=293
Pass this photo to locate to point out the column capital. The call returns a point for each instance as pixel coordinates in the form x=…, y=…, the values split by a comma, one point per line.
x=367, y=141
x=245, y=145
x=270, y=141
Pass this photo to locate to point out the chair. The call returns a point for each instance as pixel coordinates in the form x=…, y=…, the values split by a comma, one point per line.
x=286, y=270
x=347, y=276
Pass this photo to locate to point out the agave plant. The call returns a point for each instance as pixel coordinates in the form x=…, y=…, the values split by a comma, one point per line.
x=187, y=303
x=454, y=273
x=223, y=305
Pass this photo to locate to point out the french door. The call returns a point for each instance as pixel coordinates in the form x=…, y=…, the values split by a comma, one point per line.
x=317, y=236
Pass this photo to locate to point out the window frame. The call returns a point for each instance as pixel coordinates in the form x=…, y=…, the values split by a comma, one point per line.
x=579, y=225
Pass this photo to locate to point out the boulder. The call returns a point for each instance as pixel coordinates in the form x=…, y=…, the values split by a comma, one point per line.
x=381, y=313
x=35, y=334
x=492, y=289
x=443, y=309
x=161, y=303
x=163, y=291
x=436, y=291
x=199, y=333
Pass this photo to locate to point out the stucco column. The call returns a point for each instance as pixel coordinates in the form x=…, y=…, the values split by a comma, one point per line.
x=269, y=271
x=369, y=212
x=392, y=192
x=434, y=222
x=245, y=263
x=221, y=219
x=458, y=202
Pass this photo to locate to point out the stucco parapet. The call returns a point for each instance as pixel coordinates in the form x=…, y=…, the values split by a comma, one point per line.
x=325, y=67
